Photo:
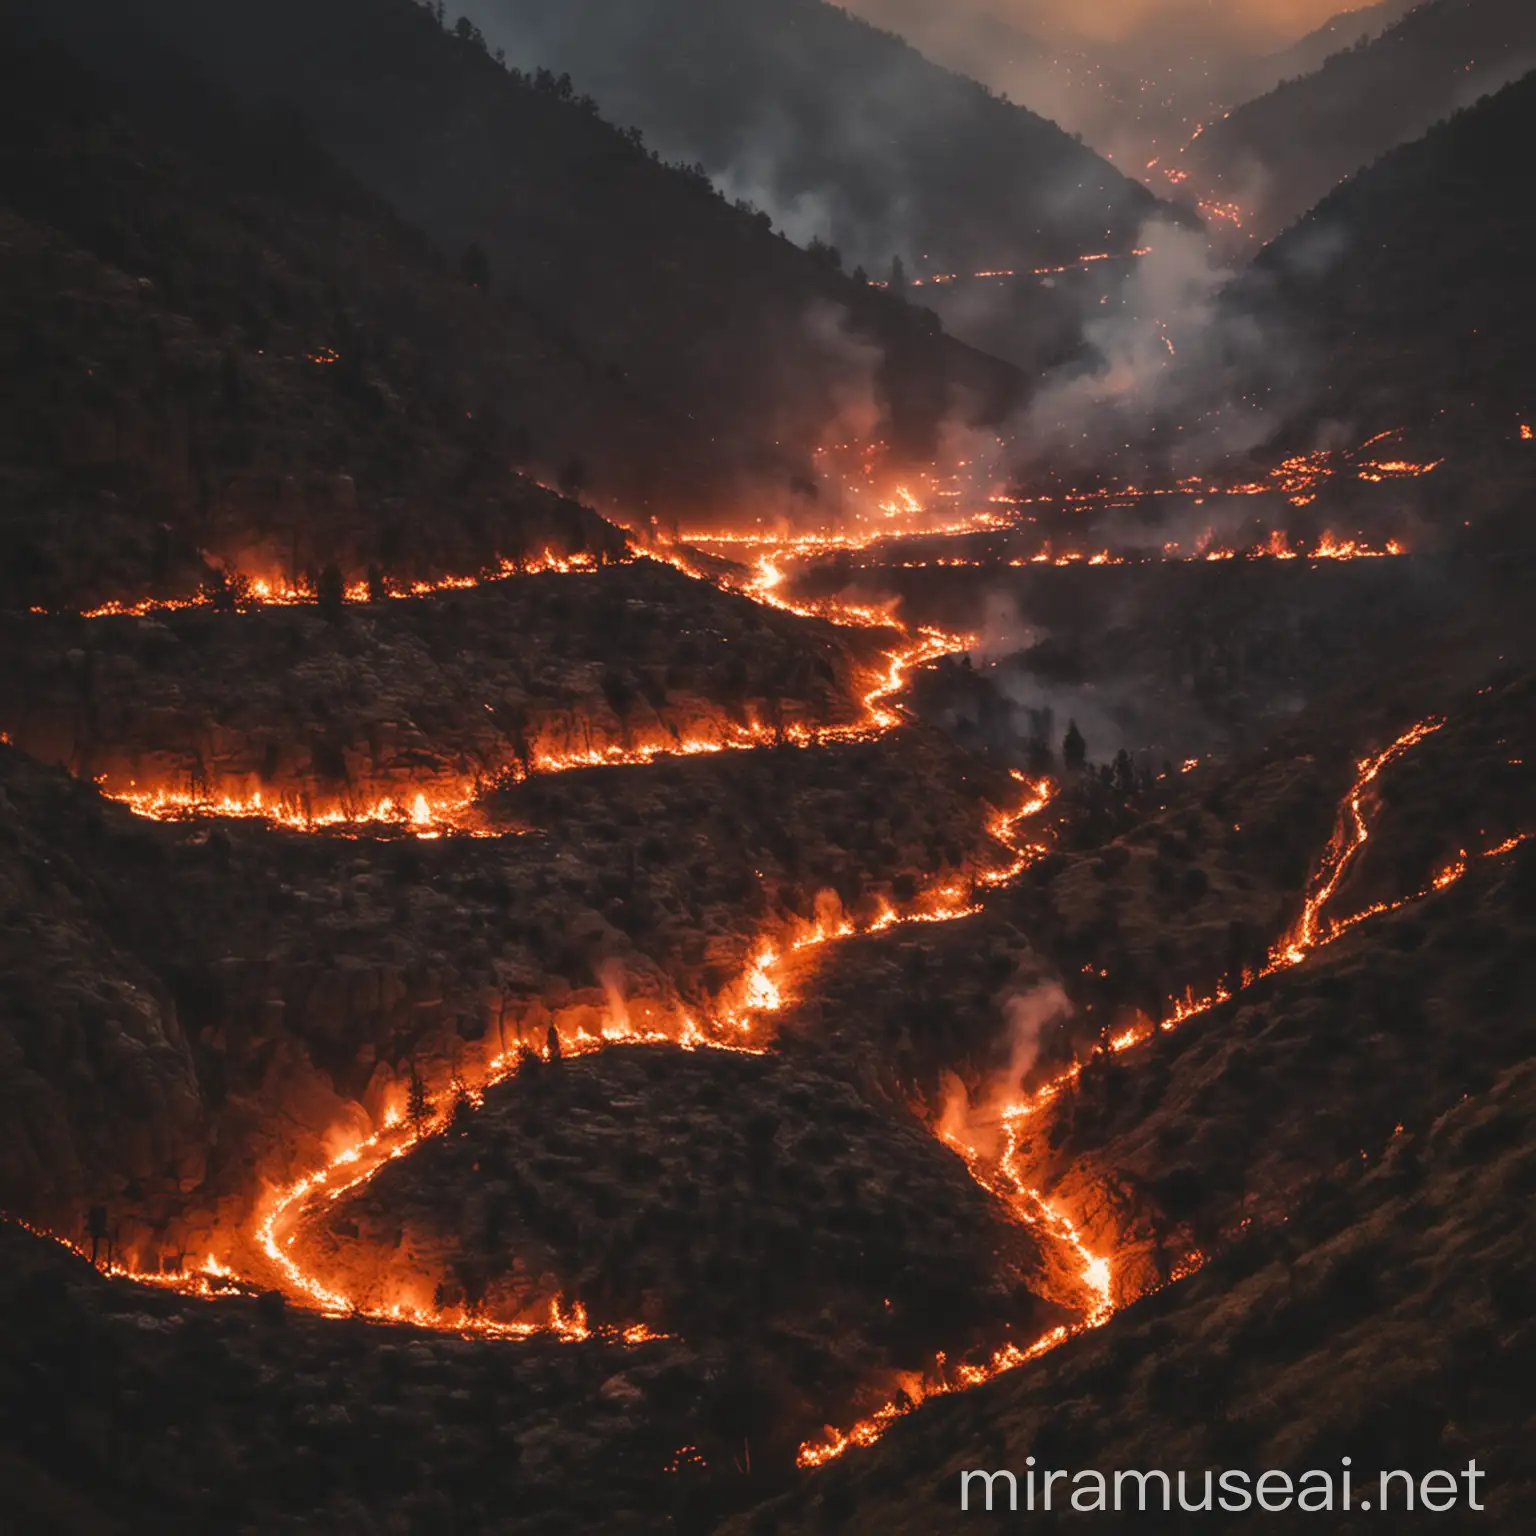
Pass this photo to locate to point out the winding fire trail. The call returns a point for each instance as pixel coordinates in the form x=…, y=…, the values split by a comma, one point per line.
x=765, y=984
x=758, y=994
x=1006, y=1177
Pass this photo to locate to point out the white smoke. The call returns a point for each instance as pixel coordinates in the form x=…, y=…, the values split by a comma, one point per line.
x=1032, y=1004
x=1167, y=372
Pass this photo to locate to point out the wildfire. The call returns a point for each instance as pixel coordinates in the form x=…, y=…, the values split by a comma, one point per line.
x=277, y=1226
x=760, y=992
x=278, y=592
x=1348, y=839
x=1031, y=1209
x=1275, y=547
x=1005, y=829
x=206, y=1281
x=1007, y=1179
x=1223, y=212
x=423, y=817
x=764, y=987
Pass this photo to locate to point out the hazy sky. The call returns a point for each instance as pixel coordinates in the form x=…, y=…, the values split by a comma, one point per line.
x=1262, y=21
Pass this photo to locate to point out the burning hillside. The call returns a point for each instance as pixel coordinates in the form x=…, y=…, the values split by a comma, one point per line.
x=947, y=947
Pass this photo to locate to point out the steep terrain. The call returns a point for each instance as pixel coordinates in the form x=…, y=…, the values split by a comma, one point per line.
x=162, y=1057
x=530, y=1028
x=571, y=303
x=408, y=696
x=1387, y=1321
x=1308, y=54
x=1264, y=164
x=1408, y=287
x=840, y=131
x=222, y=353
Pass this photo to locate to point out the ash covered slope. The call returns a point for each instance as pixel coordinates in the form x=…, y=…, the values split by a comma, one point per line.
x=840, y=130
x=1278, y=155
x=1412, y=282
x=692, y=357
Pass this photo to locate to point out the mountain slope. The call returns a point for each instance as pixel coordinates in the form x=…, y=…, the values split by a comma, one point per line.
x=1412, y=282
x=724, y=356
x=841, y=130
x=216, y=348
x=1272, y=159
x=1319, y=45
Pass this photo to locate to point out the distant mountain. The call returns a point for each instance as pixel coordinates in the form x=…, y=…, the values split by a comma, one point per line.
x=1266, y=163
x=841, y=131
x=1319, y=45
x=634, y=322
x=1412, y=282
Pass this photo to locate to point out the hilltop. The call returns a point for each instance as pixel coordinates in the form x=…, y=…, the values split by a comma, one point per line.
x=1274, y=157
x=1409, y=285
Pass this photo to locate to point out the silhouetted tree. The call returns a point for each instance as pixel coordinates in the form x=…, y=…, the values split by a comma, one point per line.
x=1074, y=750
x=418, y=1103
x=898, y=275
x=226, y=591
x=331, y=591
x=619, y=692
x=462, y=1108
x=826, y=253
x=96, y=1230
x=552, y=1042
x=1125, y=773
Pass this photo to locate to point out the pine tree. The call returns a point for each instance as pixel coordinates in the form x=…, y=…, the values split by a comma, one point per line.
x=1074, y=750
x=419, y=1108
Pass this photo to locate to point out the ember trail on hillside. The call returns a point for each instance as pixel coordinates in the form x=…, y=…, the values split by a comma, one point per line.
x=742, y=1021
